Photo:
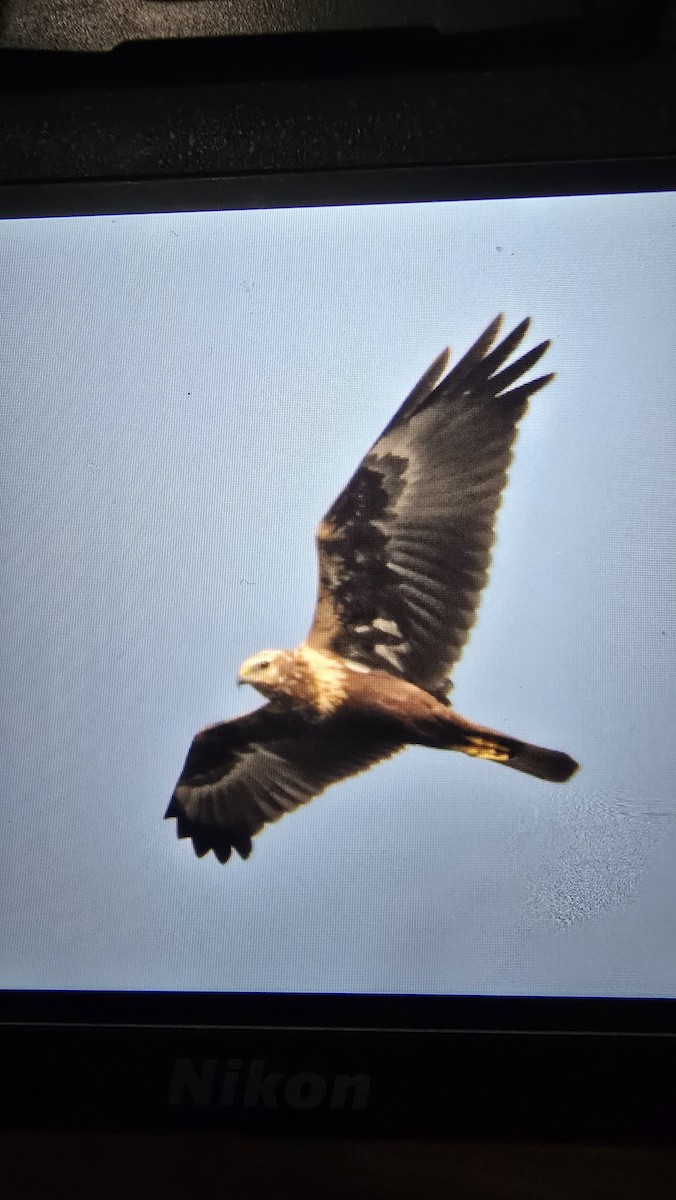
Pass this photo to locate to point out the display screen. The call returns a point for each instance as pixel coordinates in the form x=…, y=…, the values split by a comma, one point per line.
x=185, y=396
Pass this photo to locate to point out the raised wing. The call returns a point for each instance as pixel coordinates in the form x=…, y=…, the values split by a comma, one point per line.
x=243, y=774
x=404, y=551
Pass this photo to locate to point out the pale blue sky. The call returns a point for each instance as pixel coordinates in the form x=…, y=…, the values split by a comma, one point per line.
x=183, y=396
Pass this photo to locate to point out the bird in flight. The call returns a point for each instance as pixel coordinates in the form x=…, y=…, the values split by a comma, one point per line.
x=404, y=554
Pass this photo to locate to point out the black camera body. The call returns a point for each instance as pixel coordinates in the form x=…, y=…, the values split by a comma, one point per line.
x=330, y=120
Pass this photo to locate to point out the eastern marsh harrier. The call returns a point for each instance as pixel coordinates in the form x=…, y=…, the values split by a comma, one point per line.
x=404, y=554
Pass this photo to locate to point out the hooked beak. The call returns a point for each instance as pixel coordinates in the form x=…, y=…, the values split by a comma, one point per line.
x=242, y=676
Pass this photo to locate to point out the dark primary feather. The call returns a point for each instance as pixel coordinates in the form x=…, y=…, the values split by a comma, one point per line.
x=245, y=773
x=405, y=549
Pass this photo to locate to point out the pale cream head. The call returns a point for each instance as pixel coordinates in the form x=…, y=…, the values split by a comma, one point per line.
x=302, y=678
x=264, y=671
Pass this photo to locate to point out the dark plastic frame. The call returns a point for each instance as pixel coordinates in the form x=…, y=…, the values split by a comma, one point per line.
x=383, y=185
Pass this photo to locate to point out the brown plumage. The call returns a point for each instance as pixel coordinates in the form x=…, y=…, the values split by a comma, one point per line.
x=404, y=554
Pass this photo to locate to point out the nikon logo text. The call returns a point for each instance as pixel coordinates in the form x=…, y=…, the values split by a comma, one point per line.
x=251, y=1085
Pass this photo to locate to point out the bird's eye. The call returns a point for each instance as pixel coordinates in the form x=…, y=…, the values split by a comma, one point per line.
x=263, y=666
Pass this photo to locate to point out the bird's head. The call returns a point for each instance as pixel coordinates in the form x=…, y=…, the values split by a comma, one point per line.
x=265, y=671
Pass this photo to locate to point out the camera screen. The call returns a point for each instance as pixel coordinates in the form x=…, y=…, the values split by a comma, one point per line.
x=188, y=400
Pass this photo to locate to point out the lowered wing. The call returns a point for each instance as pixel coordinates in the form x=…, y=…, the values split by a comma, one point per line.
x=245, y=773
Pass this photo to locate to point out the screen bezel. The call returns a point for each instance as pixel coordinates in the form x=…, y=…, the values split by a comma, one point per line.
x=322, y=1012
x=386, y=185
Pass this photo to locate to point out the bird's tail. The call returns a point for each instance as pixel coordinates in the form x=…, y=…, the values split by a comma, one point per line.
x=553, y=765
x=479, y=742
